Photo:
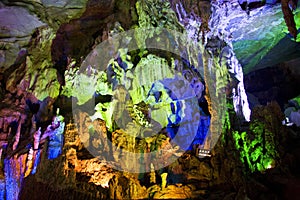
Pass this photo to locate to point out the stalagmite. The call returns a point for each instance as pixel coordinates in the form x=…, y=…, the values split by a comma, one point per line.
x=9, y=132
x=1, y=122
x=56, y=138
x=1, y=153
x=17, y=137
x=33, y=124
x=36, y=150
x=152, y=174
x=163, y=180
x=5, y=125
x=36, y=137
x=29, y=163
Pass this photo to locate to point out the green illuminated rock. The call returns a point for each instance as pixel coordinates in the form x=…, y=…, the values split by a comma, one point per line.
x=137, y=83
x=152, y=14
x=258, y=147
x=256, y=35
x=40, y=72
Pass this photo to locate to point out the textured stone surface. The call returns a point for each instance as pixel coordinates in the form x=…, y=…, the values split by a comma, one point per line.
x=41, y=61
x=2, y=187
x=54, y=13
x=126, y=186
x=16, y=28
x=260, y=37
x=18, y=22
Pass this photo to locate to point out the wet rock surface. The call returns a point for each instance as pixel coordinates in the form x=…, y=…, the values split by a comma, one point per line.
x=44, y=43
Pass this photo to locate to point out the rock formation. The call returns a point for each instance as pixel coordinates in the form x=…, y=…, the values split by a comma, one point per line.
x=154, y=99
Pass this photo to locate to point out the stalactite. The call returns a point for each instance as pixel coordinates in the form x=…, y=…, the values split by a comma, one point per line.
x=18, y=134
x=36, y=150
x=1, y=122
x=29, y=163
x=36, y=137
x=1, y=150
x=5, y=125
x=216, y=100
x=14, y=169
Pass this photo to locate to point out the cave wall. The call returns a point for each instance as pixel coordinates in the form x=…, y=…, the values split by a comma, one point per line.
x=40, y=63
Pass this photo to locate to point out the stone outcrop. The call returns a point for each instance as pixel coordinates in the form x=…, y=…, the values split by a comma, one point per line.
x=149, y=102
x=15, y=34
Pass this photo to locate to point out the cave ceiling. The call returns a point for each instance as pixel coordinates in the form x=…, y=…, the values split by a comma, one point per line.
x=258, y=31
x=259, y=36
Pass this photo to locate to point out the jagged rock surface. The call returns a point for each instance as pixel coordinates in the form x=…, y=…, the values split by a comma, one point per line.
x=39, y=60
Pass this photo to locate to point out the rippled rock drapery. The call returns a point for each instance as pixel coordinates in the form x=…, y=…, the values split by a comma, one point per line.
x=223, y=73
x=229, y=59
x=2, y=187
x=14, y=175
x=170, y=87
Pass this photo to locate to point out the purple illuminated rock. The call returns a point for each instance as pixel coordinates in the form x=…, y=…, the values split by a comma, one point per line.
x=16, y=27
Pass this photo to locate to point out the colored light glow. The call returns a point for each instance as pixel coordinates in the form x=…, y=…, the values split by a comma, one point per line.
x=2, y=189
x=269, y=166
x=258, y=150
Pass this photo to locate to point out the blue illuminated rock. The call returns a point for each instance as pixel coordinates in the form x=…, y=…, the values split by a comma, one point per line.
x=2, y=188
x=56, y=138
